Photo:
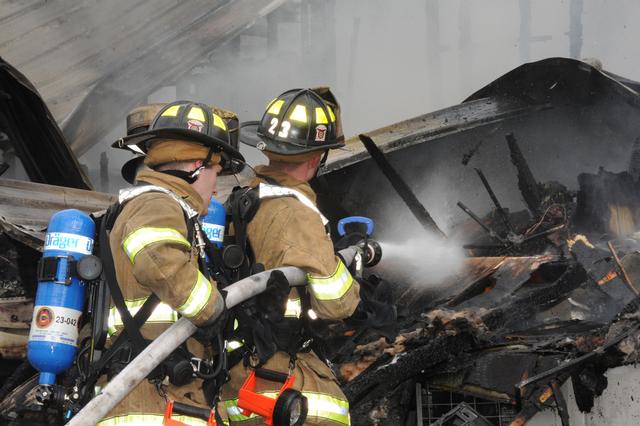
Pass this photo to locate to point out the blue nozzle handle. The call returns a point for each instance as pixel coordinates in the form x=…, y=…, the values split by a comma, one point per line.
x=355, y=219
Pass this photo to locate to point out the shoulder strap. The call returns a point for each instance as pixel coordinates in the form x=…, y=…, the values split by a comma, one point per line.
x=130, y=326
x=266, y=190
x=134, y=191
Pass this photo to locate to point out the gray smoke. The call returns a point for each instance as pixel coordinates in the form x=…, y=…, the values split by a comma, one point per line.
x=425, y=260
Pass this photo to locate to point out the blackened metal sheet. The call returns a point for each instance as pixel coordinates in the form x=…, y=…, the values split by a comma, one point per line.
x=498, y=371
x=30, y=129
x=429, y=126
x=528, y=88
x=507, y=278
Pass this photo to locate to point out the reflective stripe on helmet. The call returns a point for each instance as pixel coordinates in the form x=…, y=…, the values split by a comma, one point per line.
x=299, y=114
x=331, y=114
x=294, y=308
x=161, y=314
x=172, y=111
x=196, y=113
x=321, y=117
x=136, y=241
x=198, y=297
x=147, y=420
x=219, y=122
x=332, y=287
x=320, y=405
x=274, y=106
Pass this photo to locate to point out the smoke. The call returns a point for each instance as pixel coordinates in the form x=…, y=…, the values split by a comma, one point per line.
x=385, y=62
x=425, y=260
x=411, y=255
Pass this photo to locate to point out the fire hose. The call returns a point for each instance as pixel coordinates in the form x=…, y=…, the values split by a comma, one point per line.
x=140, y=367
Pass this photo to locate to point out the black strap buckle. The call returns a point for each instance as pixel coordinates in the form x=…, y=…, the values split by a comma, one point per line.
x=59, y=269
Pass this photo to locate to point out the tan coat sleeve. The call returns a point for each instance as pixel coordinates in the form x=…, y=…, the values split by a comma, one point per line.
x=295, y=236
x=155, y=240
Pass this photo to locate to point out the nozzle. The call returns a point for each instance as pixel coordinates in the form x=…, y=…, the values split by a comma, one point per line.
x=372, y=252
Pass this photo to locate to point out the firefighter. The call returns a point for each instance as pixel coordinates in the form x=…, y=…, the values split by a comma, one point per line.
x=296, y=132
x=156, y=250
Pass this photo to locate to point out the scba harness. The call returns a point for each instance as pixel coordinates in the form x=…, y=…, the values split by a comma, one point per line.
x=276, y=320
x=95, y=359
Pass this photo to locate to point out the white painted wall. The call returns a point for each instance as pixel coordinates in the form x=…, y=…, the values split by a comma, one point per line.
x=619, y=405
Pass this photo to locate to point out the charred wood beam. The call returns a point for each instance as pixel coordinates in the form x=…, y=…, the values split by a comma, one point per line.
x=503, y=214
x=561, y=403
x=493, y=234
x=626, y=279
x=526, y=182
x=539, y=298
x=377, y=380
x=538, y=399
x=401, y=187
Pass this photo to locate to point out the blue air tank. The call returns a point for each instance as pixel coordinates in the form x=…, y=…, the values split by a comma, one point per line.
x=60, y=297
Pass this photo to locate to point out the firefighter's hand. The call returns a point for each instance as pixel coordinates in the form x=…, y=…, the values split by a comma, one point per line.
x=273, y=301
x=212, y=328
x=356, y=266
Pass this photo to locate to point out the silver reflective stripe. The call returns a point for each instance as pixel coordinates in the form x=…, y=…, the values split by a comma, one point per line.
x=161, y=314
x=198, y=297
x=294, y=308
x=127, y=194
x=273, y=191
x=332, y=287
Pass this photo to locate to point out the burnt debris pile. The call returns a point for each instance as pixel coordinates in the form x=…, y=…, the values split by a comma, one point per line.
x=547, y=295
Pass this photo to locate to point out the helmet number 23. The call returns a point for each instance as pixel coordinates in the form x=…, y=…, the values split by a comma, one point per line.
x=284, y=128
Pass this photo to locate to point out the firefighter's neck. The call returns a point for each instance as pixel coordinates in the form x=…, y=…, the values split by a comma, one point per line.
x=304, y=171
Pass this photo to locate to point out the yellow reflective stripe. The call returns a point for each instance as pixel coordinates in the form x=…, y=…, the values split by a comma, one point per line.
x=294, y=308
x=140, y=238
x=147, y=420
x=332, y=287
x=162, y=313
x=333, y=117
x=274, y=108
x=328, y=407
x=198, y=297
x=219, y=122
x=299, y=114
x=321, y=117
x=196, y=113
x=171, y=111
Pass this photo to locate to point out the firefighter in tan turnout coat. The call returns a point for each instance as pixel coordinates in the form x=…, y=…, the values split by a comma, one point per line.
x=154, y=244
x=296, y=132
